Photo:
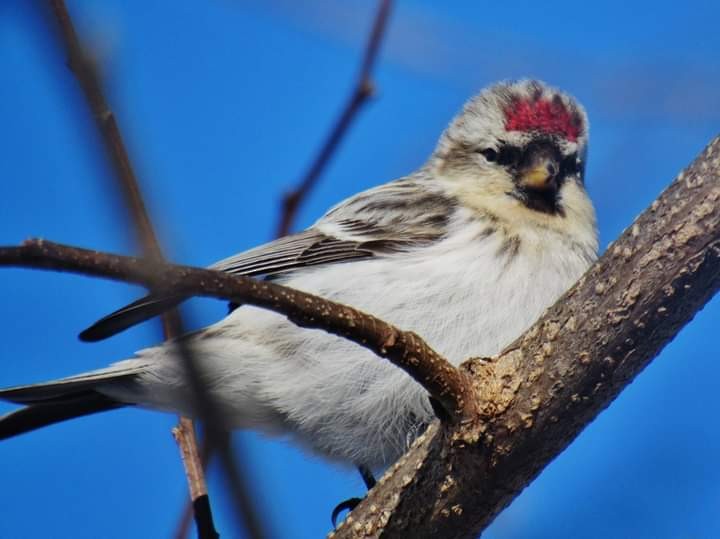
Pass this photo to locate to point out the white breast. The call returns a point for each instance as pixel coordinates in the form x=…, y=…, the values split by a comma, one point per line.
x=465, y=295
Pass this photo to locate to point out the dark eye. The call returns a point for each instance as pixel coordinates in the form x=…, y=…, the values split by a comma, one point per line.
x=490, y=154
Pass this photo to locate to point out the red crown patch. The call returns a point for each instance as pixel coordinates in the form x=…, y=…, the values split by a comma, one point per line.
x=543, y=115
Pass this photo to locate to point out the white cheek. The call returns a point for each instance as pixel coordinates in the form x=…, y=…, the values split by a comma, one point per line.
x=482, y=189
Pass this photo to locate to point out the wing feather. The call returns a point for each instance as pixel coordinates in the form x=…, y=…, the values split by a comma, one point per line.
x=384, y=221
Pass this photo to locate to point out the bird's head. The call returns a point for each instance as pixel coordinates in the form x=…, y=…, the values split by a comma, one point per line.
x=518, y=147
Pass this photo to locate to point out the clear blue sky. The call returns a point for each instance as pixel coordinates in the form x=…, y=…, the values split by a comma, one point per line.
x=222, y=104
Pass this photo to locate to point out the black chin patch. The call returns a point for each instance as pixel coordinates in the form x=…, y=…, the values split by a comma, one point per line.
x=546, y=201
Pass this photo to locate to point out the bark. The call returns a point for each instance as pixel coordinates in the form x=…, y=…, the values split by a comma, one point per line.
x=539, y=394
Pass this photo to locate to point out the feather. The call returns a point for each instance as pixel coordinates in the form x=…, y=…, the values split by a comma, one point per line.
x=58, y=400
x=336, y=238
x=41, y=415
x=58, y=390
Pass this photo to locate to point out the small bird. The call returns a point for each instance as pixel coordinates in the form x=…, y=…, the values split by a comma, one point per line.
x=468, y=251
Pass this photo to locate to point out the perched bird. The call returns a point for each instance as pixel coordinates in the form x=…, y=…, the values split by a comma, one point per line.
x=468, y=251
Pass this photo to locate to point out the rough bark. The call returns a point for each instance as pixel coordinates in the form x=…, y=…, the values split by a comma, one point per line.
x=539, y=394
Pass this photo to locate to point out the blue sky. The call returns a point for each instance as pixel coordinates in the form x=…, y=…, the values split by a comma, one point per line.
x=222, y=105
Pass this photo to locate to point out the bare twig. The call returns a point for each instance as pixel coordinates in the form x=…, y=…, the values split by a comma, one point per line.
x=86, y=72
x=403, y=348
x=361, y=93
x=184, y=434
x=546, y=387
x=218, y=442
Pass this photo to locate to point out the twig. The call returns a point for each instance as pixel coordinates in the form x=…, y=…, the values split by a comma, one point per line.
x=552, y=382
x=184, y=434
x=407, y=350
x=217, y=442
x=86, y=72
x=361, y=93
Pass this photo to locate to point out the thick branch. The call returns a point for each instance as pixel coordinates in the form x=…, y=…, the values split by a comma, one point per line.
x=545, y=388
x=361, y=93
x=447, y=384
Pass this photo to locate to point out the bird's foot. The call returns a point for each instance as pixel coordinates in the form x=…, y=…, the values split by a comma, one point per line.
x=347, y=505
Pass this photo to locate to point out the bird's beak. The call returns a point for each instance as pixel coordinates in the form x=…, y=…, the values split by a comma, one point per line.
x=540, y=176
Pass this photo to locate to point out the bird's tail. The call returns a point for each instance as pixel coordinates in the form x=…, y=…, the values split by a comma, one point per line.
x=58, y=400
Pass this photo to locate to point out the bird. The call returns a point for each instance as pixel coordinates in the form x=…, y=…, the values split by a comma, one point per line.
x=467, y=251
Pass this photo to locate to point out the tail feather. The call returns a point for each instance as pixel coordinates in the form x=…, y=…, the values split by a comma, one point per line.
x=60, y=389
x=40, y=415
x=58, y=400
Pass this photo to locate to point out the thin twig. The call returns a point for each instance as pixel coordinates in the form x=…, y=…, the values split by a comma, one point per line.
x=363, y=90
x=447, y=384
x=87, y=74
x=185, y=437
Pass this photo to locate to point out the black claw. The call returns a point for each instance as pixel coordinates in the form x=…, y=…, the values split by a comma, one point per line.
x=347, y=505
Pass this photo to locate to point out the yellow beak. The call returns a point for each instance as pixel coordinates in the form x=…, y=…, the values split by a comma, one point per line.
x=540, y=177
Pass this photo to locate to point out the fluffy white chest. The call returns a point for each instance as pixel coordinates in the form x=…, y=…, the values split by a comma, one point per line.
x=468, y=295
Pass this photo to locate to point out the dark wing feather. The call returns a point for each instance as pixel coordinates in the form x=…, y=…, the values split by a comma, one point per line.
x=308, y=248
x=130, y=315
x=395, y=217
x=36, y=416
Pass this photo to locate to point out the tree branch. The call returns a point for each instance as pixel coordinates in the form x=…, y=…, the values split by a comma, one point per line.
x=199, y=505
x=87, y=74
x=85, y=70
x=361, y=93
x=539, y=394
x=447, y=384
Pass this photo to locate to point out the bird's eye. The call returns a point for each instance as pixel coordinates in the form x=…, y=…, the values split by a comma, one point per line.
x=490, y=154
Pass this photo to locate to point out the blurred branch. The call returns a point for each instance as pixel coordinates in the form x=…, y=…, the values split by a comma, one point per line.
x=540, y=393
x=83, y=66
x=361, y=93
x=405, y=349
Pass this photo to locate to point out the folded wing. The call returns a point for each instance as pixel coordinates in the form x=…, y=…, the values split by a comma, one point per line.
x=384, y=221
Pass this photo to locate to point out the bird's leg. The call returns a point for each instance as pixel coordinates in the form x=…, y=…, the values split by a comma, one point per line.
x=350, y=504
x=367, y=476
